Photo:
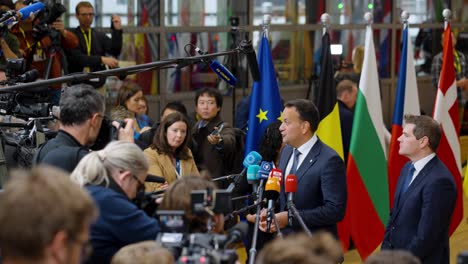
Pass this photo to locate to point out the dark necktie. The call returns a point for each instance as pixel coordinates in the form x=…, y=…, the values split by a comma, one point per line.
x=296, y=154
x=408, y=178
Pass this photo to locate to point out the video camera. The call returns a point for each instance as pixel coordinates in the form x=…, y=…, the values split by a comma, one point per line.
x=52, y=11
x=107, y=133
x=199, y=247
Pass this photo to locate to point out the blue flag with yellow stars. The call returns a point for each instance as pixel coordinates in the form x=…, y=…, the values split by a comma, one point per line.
x=265, y=101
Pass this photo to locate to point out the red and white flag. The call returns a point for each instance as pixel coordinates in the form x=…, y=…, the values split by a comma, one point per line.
x=446, y=113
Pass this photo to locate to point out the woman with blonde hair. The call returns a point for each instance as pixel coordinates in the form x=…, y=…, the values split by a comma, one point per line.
x=169, y=156
x=114, y=176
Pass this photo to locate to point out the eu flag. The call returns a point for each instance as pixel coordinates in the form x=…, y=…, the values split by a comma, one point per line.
x=265, y=101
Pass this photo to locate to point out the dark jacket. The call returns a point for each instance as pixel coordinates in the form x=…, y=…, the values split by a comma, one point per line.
x=213, y=157
x=420, y=219
x=120, y=223
x=63, y=151
x=101, y=45
x=321, y=189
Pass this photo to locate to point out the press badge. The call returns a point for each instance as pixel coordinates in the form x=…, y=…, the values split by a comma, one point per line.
x=86, y=69
x=39, y=55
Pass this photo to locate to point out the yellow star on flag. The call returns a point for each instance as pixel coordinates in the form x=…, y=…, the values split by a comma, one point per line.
x=280, y=118
x=262, y=115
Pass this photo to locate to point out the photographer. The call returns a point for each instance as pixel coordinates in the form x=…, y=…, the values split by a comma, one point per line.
x=42, y=43
x=9, y=44
x=81, y=113
x=178, y=197
x=113, y=176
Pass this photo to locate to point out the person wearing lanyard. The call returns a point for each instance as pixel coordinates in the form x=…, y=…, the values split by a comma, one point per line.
x=169, y=155
x=96, y=50
x=39, y=47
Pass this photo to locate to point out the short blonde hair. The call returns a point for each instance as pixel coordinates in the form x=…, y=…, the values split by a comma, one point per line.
x=146, y=252
x=96, y=167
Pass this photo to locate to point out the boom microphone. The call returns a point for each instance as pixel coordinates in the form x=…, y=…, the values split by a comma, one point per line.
x=23, y=14
x=219, y=69
x=290, y=186
x=31, y=10
x=272, y=189
x=29, y=76
x=154, y=178
x=252, y=158
x=249, y=51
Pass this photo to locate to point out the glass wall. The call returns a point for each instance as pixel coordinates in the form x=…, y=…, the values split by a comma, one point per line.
x=157, y=29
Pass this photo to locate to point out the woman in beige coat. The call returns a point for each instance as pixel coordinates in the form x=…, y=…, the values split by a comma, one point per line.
x=169, y=156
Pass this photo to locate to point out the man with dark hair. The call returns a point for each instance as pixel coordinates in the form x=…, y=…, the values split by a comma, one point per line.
x=320, y=172
x=214, y=139
x=81, y=113
x=45, y=218
x=425, y=195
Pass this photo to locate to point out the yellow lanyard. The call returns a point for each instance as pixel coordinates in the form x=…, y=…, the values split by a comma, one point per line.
x=457, y=62
x=26, y=40
x=87, y=41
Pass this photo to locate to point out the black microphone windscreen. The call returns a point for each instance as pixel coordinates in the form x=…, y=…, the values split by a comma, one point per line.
x=154, y=178
x=29, y=76
x=251, y=59
x=239, y=231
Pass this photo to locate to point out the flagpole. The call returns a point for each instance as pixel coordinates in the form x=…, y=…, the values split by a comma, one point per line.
x=447, y=14
x=404, y=18
x=267, y=9
x=325, y=18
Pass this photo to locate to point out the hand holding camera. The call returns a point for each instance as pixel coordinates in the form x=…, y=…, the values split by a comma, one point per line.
x=125, y=129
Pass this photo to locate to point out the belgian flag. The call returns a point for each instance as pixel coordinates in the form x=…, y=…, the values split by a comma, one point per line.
x=329, y=129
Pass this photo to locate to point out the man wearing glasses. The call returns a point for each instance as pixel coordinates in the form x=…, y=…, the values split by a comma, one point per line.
x=96, y=50
x=45, y=218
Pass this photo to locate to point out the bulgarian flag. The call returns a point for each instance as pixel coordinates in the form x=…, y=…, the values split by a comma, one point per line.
x=446, y=113
x=407, y=102
x=368, y=206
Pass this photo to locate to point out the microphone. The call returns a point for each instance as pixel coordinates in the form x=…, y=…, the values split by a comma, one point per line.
x=28, y=11
x=265, y=168
x=276, y=173
x=236, y=233
x=23, y=14
x=252, y=175
x=29, y=76
x=290, y=186
x=247, y=47
x=272, y=189
x=154, y=178
x=253, y=158
x=219, y=69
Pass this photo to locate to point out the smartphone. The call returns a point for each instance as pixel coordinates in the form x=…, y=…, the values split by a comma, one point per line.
x=217, y=131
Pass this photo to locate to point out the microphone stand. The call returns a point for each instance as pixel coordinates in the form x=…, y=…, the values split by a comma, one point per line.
x=163, y=64
x=278, y=231
x=241, y=211
x=299, y=218
x=253, y=248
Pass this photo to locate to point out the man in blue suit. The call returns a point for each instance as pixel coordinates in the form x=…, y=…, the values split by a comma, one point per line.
x=321, y=181
x=425, y=195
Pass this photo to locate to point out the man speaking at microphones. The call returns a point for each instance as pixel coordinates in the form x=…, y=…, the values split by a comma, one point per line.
x=320, y=197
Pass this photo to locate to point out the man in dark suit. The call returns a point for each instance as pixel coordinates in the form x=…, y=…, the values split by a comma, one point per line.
x=96, y=50
x=346, y=95
x=425, y=195
x=320, y=172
